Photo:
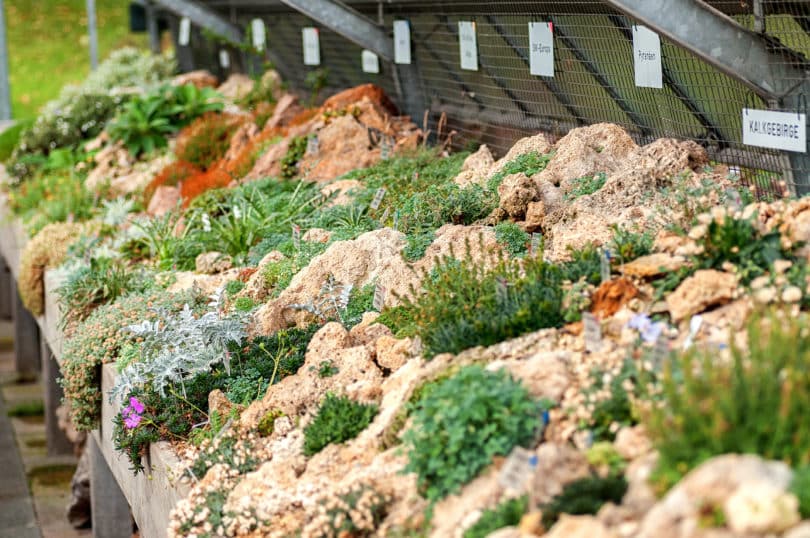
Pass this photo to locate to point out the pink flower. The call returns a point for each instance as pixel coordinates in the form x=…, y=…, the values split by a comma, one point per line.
x=136, y=405
x=132, y=421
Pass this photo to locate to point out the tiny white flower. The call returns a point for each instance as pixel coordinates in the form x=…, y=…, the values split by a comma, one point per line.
x=237, y=212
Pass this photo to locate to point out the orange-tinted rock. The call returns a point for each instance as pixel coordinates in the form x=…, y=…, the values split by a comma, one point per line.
x=611, y=296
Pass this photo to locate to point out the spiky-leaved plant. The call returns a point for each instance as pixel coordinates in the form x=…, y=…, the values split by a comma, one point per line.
x=330, y=302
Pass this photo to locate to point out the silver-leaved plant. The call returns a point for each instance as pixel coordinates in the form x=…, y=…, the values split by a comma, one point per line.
x=330, y=302
x=179, y=345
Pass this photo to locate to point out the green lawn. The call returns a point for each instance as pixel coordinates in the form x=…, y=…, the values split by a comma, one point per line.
x=48, y=46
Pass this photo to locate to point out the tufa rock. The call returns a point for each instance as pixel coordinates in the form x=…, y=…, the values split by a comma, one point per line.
x=286, y=109
x=236, y=87
x=476, y=168
x=211, y=263
x=199, y=78
x=652, y=265
x=700, y=291
x=611, y=296
x=344, y=145
x=516, y=192
x=165, y=200
x=537, y=143
x=632, y=442
x=392, y=353
x=579, y=527
x=761, y=508
x=317, y=235
x=557, y=465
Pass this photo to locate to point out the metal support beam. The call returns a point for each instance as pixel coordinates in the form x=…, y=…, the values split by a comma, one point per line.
x=347, y=22
x=550, y=84
x=713, y=132
x=5, y=87
x=152, y=28
x=204, y=17
x=109, y=508
x=92, y=33
x=590, y=66
x=718, y=40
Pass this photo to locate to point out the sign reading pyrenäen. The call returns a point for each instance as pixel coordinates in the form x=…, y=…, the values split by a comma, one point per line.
x=775, y=130
x=647, y=58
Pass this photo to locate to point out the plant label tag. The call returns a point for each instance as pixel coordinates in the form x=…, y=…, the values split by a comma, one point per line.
x=518, y=469
x=296, y=235
x=541, y=49
x=313, y=145
x=468, y=45
x=416, y=346
x=312, y=46
x=604, y=265
x=592, y=331
x=402, y=42
x=259, y=34
x=396, y=221
x=378, y=198
x=535, y=245
x=379, y=297
x=775, y=130
x=660, y=352
x=385, y=148
x=694, y=328
x=733, y=199
x=224, y=59
x=184, y=33
x=647, y=58
x=370, y=62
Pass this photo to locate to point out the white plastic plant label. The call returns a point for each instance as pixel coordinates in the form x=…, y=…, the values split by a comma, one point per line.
x=592, y=331
x=184, y=34
x=468, y=45
x=541, y=49
x=647, y=58
x=258, y=34
x=776, y=130
x=312, y=46
x=224, y=59
x=402, y=42
x=379, y=297
x=518, y=469
x=370, y=62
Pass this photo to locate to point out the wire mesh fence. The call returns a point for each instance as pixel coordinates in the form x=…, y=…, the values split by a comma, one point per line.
x=593, y=79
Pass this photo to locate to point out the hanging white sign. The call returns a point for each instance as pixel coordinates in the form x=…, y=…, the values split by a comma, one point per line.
x=258, y=33
x=775, y=130
x=224, y=59
x=184, y=35
x=370, y=61
x=647, y=58
x=402, y=42
x=312, y=46
x=468, y=45
x=541, y=49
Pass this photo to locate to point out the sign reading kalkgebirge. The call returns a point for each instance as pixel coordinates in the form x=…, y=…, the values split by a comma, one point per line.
x=775, y=130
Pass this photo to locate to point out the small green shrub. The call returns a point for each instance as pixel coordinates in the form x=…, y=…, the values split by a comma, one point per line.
x=627, y=245
x=295, y=152
x=586, y=185
x=361, y=300
x=244, y=304
x=507, y=514
x=463, y=305
x=327, y=369
x=339, y=419
x=417, y=245
x=617, y=409
x=754, y=403
x=34, y=408
x=800, y=486
x=583, y=497
x=233, y=287
x=461, y=423
x=529, y=163
x=145, y=121
x=512, y=238
x=206, y=140
x=100, y=282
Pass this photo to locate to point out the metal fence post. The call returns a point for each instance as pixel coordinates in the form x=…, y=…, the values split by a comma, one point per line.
x=92, y=33
x=152, y=28
x=5, y=89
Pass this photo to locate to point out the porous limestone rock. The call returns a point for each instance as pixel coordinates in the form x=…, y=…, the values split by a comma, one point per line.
x=236, y=86
x=476, y=168
x=761, y=508
x=515, y=193
x=579, y=527
x=211, y=263
x=652, y=265
x=199, y=78
x=706, y=288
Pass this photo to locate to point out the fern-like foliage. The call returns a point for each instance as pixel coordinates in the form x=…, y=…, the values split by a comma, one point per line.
x=330, y=302
x=179, y=345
